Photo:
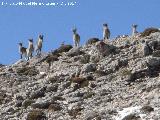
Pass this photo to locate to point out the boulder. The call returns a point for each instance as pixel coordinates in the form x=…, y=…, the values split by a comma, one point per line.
x=153, y=61
x=52, y=88
x=156, y=53
x=18, y=103
x=147, y=109
x=146, y=49
x=41, y=105
x=37, y=94
x=74, y=52
x=105, y=49
x=89, y=67
x=132, y=117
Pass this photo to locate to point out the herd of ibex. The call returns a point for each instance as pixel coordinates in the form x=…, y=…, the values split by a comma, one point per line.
x=28, y=52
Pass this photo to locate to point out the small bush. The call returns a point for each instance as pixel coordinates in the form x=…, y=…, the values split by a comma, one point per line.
x=75, y=111
x=147, y=109
x=1, y=65
x=53, y=79
x=36, y=115
x=148, y=31
x=51, y=58
x=28, y=71
x=1, y=100
x=82, y=82
x=88, y=95
x=2, y=96
x=100, y=73
x=85, y=59
x=125, y=72
x=55, y=107
x=63, y=48
x=27, y=103
x=55, y=98
x=78, y=80
x=92, y=41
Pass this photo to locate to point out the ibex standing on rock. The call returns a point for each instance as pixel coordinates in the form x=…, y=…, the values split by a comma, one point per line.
x=76, y=37
x=134, y=29
x=22, y=51
x=39, y=45
x=30, y=49
x=106, y=32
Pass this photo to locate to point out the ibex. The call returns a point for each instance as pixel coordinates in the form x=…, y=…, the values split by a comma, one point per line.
x=134, y=29
x=39, y=45
x=30, y=49
x=22, y=51
x=106, y=32
x=76, y=37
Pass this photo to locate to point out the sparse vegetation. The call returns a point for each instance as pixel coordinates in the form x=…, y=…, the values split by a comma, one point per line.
x=55, y=98
x=1, y=65
x=36, y=115
x=54, y=107
x=2, y=96
x=100, y=73
x=92, y=41
x=27, y=103
x=51, y=58
x=75, y=111
x=126, y=43
x=82, y=82
x=1, y=100
x=85, y=59
x=147, y=109
x=53, y=79
x=78, y=79
x=63, y=48
x=28, y=71
x=125, y=72
x=89, y=94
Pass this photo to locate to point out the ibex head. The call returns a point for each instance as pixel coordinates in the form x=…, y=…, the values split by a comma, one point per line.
x=30, y=40
x=134, y=26
x=105, y=25
x=40, y=37
x=74, y=29
x=20, y=44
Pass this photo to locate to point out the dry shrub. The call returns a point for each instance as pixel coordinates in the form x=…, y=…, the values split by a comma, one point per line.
x=63, y=48
x=36, y=115
x=28, y=71
x=148, y=31
x=82, y=82
x=92, y=41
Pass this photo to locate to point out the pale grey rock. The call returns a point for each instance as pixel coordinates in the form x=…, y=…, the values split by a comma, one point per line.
x=89, y=67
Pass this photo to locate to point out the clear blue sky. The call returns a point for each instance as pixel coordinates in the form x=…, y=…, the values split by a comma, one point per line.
x=19, y=23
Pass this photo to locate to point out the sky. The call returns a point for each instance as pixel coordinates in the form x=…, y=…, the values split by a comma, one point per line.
x=19, y=23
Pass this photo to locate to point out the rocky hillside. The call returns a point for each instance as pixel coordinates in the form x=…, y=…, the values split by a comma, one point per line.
x=114, y=81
